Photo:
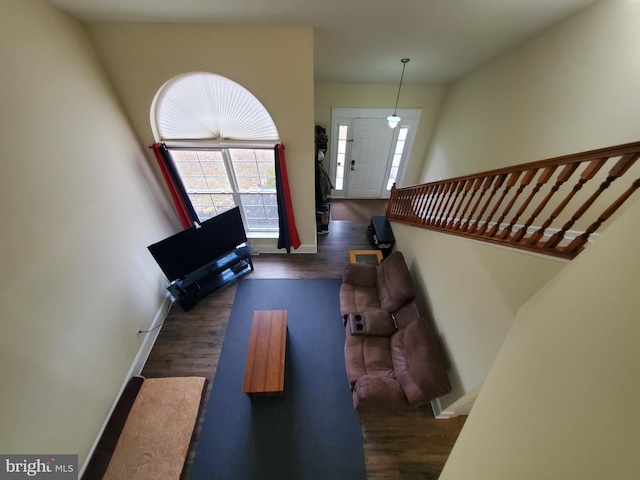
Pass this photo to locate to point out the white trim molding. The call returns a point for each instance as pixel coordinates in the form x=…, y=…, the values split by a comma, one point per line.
x=462, y=406
x=410, y=117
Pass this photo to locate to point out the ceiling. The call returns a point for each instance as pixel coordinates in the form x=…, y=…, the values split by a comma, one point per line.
x=362, y=41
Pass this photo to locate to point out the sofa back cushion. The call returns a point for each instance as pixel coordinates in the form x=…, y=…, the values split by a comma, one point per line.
x=361, y=274
x=418, y=364
x=394, y=283
x=354, y=298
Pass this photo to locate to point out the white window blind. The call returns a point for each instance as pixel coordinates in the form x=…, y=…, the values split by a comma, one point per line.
x=206, y=106
x=221, y=140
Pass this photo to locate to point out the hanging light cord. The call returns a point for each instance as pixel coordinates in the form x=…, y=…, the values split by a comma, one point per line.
x=404, y=64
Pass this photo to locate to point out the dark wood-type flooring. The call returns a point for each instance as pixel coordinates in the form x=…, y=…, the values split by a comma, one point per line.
x=405, y=446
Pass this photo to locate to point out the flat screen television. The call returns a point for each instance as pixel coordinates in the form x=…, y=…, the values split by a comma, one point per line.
x=193, y=248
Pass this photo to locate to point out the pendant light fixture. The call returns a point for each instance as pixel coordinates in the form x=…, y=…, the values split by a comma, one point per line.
x=395, y=119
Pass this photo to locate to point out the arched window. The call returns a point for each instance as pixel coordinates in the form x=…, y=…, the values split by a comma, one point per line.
x=221, y=139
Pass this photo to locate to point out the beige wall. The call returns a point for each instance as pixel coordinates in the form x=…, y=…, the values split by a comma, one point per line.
x=572, y=89
x=561, y=396
x=472, y=292
x=427, y=97
x=273, y=63
x=561, y=400
x=79, y=281
x=79, y=206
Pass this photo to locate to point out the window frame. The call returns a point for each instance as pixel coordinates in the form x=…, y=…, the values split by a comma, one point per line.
x=183, y=116
x=235, y=190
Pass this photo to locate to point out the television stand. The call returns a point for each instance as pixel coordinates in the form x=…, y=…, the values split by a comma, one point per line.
x=188, y=291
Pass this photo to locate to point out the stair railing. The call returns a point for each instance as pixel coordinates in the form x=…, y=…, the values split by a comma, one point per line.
x=553, y=206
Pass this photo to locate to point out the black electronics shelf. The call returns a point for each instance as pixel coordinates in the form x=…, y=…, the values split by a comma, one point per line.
x=200, y=283
x=201, y=259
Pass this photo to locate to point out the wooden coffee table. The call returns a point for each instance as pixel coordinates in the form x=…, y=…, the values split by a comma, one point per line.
x=264, y=371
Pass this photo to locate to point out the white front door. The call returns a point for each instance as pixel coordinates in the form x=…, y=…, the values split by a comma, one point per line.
x=369, y=162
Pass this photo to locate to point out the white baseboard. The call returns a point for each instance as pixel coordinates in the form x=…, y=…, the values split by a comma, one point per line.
x=436, y=406
x=441, y=413
x=462, y=406
x=136, y=368
x=150, y=338
x=258, y=247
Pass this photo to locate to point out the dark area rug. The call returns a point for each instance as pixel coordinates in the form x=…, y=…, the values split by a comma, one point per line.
x=312, y=432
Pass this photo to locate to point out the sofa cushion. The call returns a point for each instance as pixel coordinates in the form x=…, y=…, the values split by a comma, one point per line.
x=394, y=282
x=361, y=274
x=356, y=298
x=418, y=364
x=407, y=314
x=367, y=356
x=378, y=393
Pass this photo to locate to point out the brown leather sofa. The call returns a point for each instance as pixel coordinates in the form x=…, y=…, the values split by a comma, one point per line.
x=392, y=357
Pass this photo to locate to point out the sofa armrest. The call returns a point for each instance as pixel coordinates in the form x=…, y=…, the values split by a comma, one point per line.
x=360, y=274
x=377, y=393
x=373, y=322
x=418, y=363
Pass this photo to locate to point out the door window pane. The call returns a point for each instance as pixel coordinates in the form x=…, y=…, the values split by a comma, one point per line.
x=397, y=157
x=343, y=132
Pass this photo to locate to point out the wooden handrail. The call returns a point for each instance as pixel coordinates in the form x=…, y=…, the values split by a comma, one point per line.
x=556, y=199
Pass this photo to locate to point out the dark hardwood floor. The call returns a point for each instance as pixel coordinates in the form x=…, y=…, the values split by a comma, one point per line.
x=406, y=446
